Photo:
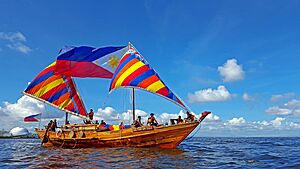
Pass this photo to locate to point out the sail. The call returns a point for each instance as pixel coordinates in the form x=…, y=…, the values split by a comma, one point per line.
x=133, y=71
x=56, y=90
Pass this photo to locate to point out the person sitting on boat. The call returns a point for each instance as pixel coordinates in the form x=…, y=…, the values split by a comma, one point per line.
x=179, y=120
x=138, y=122
x=190, y=117
x=102, y=124
x=151, y=120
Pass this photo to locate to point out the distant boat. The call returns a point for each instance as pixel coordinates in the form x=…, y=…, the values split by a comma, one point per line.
x=132, y=71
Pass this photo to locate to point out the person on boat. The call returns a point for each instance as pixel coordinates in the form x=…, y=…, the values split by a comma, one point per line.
x=138, y=122
x=91, y=114
x=190, y=117
x=179, y=120
x=96, y=122
x=121, y=126
x=55, y=123
x=102, y=123
x=151, y=120
x=49, y=125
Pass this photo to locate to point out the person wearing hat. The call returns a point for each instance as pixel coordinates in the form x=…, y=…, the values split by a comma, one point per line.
x=151, y=120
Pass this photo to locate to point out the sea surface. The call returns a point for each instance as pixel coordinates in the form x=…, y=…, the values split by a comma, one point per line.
x=192, y=153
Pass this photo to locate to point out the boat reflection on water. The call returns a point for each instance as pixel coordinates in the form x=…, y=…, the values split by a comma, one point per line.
x=111, y=158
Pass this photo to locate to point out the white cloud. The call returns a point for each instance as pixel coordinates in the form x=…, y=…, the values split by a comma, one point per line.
x=290, y=108
x=278, y=97
x=277, y=122
x=212, y=117
x=12, y=114
x=231, y=71
x=19, y=47
x=236, y=121
x=16, y=41
x=279, y=111
x=13, y=36
x=210, y=95
x=247, y=97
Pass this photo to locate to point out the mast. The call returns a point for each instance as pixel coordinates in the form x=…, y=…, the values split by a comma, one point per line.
x=133, y=103
x=66, y=118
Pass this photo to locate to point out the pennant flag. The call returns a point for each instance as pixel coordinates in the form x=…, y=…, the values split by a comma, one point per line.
x=57, y=90
x=87, y=61
x=33, y=118
x=133, y=71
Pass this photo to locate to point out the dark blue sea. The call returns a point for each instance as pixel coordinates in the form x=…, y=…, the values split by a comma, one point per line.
x=192, y=153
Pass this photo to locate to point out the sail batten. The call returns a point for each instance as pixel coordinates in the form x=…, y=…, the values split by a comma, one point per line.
x=134, y=72
x=56, y=90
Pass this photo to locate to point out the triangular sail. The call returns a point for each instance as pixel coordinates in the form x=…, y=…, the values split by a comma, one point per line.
x=134, y=72
x=56, y=90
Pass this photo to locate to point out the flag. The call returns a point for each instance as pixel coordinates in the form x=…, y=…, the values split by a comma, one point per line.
x=87, y=61
x=33, y=118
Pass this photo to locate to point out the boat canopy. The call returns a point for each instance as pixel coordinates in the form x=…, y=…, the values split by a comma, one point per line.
x=58, y=91
x=134, y=72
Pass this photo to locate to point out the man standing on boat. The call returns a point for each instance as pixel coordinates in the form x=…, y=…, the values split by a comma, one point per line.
x=91, y=114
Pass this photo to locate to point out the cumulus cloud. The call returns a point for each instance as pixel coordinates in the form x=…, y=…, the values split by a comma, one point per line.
x=247, y=97
x=278, y=97
x=231, y=71
x=210, y=95
x=13, y=113
x=277, y=121
x=16, y=41
x=236, y=121
x=290, y=108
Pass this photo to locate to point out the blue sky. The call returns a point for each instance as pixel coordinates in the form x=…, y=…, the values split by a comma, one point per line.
x=189, y=44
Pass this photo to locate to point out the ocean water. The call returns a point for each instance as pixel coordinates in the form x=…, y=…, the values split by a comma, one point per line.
x=192, y=153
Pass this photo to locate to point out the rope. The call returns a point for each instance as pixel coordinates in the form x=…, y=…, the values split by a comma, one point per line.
x=194, y=133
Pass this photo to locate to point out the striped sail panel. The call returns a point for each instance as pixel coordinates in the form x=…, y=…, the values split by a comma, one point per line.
x=57, y=90
x=133, y=71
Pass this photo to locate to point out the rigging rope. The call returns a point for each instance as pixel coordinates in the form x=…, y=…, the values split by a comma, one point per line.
x=194, y=133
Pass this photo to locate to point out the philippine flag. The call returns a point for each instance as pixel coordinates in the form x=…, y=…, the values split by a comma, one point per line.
x=87, y=61
x=32, y=118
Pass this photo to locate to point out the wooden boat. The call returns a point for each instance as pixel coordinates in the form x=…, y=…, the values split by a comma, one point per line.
x=59, y=91
x=148, y=136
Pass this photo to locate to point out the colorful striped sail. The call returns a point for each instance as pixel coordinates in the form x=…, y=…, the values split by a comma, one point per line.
x=56, y=90
x=133, y=71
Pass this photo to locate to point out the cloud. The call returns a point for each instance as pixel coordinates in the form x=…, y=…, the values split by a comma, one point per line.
x=12, y=114
x=278, y=97
x=247, y=97
x=277, y=121
x=290, y=108
x=16, y=41
x=210, y=95
x=231, y=71
x=236, y=121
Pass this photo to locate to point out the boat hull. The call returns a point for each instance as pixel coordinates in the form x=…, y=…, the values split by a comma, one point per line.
x=85, y=136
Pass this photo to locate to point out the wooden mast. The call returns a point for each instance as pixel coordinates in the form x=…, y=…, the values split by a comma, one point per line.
x=133, y=106
x=66, y=122
x=133, y=103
